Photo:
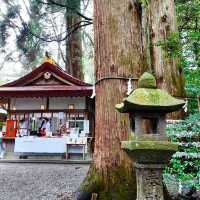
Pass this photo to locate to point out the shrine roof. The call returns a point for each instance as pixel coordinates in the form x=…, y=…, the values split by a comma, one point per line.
x=54, y=69
x=45, y=91
x=46, y=80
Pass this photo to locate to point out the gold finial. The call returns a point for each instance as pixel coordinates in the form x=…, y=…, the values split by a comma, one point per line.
x=48, y=58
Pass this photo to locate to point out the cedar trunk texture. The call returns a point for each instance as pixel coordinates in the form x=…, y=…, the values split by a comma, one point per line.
x=159, y=24
x=118, y=53
x=123, y=33
x=73, y=63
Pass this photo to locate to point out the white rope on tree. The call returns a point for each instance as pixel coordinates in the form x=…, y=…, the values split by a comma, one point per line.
x=180, y=187
x=185, y=107
x=93, y=92
x=129, y=87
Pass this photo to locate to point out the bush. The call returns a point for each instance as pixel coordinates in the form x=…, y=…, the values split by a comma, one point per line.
x=185, y=164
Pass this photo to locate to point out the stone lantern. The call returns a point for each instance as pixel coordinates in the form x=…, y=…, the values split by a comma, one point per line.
x=149, y=147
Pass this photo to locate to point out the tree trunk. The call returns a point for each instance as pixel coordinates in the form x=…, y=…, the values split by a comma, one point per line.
x=119, y=53
x=73, y=44
x=160, y=37
x=123, y=32
x=196, y=49
x=160, y=34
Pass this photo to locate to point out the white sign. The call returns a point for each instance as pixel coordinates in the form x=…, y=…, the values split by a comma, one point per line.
x=86, y=126
x=61, y=115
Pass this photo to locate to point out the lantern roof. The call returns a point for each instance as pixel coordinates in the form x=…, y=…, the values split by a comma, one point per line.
x=149, y=98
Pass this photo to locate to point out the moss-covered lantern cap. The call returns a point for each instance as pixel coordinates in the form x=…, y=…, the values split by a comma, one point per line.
x=148, y=98
x=147, y=80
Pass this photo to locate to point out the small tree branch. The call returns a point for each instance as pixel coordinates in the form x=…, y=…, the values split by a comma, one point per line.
x=58, y=39
x=51, y=2
x=59, y=47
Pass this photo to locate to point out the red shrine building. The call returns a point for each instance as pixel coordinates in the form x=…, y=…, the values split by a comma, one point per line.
x=49, y=112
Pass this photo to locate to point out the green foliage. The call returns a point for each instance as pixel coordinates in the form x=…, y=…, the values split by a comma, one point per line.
x=185, y=45
x=171, y=45
x=192, y=85
x=185, y=164
x=144, y=2
x=188, y=15
x=1, y=124
x=192, y=81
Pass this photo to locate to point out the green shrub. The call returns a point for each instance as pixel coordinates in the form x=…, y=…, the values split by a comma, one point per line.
x=185, y=164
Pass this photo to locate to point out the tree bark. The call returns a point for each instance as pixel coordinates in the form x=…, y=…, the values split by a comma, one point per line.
x=124, y=30
x=73, y=64
x=118, y=53
x=159, y=25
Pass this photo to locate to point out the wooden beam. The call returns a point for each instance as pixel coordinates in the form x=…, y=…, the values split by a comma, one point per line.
x=48, y=111
x=47, y=103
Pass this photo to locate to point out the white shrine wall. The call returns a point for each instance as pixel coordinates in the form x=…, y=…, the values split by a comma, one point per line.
x=63, y=102
x=55, y=103
x=27, y=103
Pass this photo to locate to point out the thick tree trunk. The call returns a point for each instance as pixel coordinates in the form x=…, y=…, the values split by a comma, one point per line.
x=160, y=37
x=73, y=44
x=122, y=50
x=159, y=25
x=119, y=53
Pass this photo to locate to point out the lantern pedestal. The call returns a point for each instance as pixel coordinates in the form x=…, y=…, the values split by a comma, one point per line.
x=149, y=157
x=149, y=182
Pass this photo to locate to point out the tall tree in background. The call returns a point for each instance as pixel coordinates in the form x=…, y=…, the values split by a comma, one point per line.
x=161, y=35
x=16, y=25
x=73, y=63
x=75, y=21
x=46, y=22
x=161, y=39
x=129, y=39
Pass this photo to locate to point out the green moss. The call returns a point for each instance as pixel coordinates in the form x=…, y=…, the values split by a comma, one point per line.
x=144, y=2
x=150, y=99
x=147, y=97
x=148, y=137
x=147, y=80
x=150, y=152
x=105, y=195
x=92, y=183
x=131, y=136
x=117, y=184
x=149, y=145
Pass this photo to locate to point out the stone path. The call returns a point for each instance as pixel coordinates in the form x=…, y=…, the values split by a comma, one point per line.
x=40, y=181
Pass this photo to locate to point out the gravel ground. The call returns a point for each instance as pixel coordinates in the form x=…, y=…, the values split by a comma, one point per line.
x=40, y=181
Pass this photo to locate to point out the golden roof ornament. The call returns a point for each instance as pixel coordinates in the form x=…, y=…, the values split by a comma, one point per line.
x=48, y=58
